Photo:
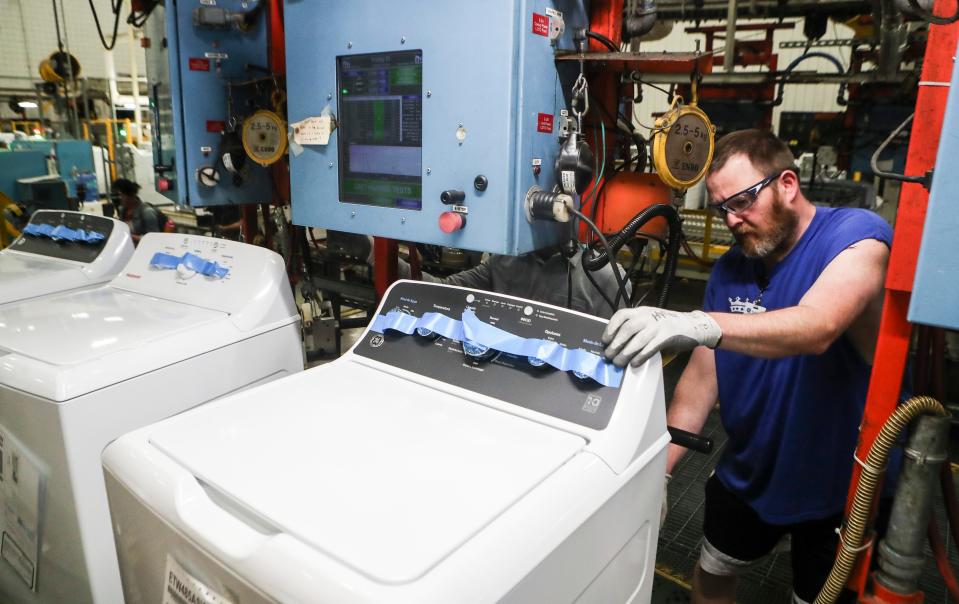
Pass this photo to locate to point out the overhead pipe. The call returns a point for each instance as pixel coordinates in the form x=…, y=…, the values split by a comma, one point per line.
x=729, y=58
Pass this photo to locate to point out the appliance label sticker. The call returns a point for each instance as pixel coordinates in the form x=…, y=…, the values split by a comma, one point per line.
x=216, y=55
x=22, y=482
x=552, y=12
x=540, y=24
x=182, y=588
x=544, y=123
x=198, y=64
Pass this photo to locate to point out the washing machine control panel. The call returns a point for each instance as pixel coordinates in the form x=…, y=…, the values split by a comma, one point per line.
x=529, y=354
x=65, y=235
x=203, y=271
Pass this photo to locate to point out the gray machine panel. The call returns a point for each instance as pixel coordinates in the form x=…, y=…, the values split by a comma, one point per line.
x=503, y=376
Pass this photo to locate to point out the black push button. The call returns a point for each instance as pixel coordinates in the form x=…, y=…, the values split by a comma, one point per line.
x=452, y=197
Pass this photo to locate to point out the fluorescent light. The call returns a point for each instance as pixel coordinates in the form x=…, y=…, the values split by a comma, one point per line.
x=27, y=105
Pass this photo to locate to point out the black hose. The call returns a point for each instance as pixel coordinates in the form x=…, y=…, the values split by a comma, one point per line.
x=840, y=99
x=931, y=18
x=608, y=251
x=603, y=40
x=595, y=262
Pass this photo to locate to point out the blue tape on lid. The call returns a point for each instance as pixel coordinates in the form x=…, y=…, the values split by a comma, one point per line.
x=471, y=328
x=63, y=233
x=193, y=262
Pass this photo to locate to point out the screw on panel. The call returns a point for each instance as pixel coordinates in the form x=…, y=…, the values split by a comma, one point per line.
x=429, y=93
x=402, y=40
x=331, y=164
x=329, y=95
x=352, y=214
x=403, y=220
x=349, y=45
x=429, y=170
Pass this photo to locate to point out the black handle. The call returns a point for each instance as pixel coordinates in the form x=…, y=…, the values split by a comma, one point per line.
x=696, y=442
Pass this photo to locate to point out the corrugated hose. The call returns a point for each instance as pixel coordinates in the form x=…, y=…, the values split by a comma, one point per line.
x=872, y=470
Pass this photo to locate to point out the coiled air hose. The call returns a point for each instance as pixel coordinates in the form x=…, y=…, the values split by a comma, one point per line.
x=594, y=260
x=872, y=470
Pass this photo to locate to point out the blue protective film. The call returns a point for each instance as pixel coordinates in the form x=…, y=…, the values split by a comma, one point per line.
x=432, y=322
x=63, y=233
x=582, y=362
x=193, y=262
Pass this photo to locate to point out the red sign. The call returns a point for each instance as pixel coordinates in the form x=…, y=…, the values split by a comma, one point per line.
x=197, y=64
x=215, y=126
x=544, y=123
x=540, y=24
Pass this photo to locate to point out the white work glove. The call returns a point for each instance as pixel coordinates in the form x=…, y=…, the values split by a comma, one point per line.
x=635, y=334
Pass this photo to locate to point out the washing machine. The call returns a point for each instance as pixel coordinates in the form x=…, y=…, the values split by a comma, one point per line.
x=60, y=251
x=471, y=447
x=187, y=320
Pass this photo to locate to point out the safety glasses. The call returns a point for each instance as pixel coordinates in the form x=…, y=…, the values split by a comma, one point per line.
x=742, y=201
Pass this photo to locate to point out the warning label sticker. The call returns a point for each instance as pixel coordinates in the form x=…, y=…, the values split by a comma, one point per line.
x=544, y=123
x=540, y=24
x=198, y=64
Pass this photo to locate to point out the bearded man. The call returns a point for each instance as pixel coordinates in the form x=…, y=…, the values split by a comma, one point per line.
x=785, y=342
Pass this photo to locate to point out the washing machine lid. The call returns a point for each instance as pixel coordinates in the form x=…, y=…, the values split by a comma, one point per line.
x=24, y=276
x=74, y=328
x=382, y=474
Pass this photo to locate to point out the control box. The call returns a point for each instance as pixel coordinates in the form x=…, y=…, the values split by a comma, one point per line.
x=444, y=116
x=201, y=88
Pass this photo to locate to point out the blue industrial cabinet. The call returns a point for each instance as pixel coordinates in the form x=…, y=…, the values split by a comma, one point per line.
x=430, y=97
x=197, y=76
x=936, y=287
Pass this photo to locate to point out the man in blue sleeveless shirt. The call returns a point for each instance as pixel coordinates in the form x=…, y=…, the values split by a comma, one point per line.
x=784, y=342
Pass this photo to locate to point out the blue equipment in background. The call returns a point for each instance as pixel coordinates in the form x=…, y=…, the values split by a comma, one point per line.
x=28, y=158
x=204, y=80
x=447, y=114
x=936, y=286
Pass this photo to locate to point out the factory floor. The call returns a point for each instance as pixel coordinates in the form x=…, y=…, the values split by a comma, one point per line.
x=681, y=535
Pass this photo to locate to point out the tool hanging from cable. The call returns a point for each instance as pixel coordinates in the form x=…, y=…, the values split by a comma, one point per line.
x=682, y=141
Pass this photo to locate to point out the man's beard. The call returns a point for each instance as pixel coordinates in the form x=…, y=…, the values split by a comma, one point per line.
x=783, y=223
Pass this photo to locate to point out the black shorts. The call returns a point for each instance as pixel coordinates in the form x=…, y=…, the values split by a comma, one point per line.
x=736, y=538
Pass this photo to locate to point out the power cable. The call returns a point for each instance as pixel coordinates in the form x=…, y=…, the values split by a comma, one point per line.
x=116, y=23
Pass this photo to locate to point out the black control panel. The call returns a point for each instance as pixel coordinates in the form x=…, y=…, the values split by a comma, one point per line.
x=66, y=250
x=518, y=380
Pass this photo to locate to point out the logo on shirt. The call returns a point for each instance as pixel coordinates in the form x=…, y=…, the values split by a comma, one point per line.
x=745, y=307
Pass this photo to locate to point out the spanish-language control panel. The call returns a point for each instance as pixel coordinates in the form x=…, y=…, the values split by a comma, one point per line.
x=81, y=238
x=532, y=355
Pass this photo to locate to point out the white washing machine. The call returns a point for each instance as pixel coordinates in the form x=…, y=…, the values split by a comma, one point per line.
x=62, y=251
x=525, y=469
x=189, y=319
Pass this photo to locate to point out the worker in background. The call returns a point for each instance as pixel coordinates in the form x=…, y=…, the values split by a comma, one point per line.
x=785, y=342
x=227, y=222
x=141, y=217
x=544, y=275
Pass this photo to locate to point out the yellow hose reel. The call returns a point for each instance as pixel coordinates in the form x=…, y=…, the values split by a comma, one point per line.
x=683, y=142
x=264, y=137
x=54, y=68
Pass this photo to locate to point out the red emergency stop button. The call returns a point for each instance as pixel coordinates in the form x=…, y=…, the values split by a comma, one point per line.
x=452, y=221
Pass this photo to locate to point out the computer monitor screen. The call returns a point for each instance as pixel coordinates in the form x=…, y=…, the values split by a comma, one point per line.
x=380, y=128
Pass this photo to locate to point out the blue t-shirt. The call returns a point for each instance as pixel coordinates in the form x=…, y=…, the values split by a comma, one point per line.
x=793, y=422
